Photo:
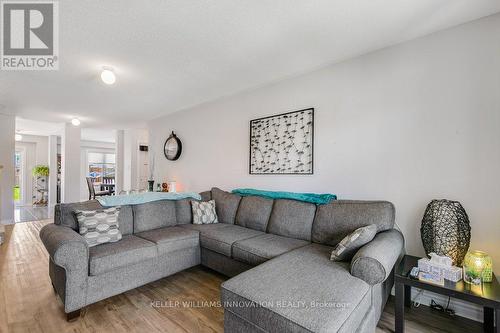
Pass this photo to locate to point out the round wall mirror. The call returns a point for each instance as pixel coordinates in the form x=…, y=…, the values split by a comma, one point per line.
x=172, y=147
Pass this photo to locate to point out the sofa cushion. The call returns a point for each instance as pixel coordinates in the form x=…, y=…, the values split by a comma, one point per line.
x=171, y=239
x=64, y=213
x=291, y=218
x=204, y=212
x=256, y=250
x=154, y=215
x=226, y=204
x=345, y=250
x=339, y=218
x=126, y=220
x=128, y=251
x=254, y=212
x=299, y=291
x=220, y=237
x=183, y=211
x=99, y=226
x=206, y=195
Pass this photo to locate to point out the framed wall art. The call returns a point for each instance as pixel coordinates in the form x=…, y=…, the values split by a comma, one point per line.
x=282, y=144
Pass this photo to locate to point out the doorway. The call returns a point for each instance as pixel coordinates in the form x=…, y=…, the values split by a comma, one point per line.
x=19, y=185
x=24, y=187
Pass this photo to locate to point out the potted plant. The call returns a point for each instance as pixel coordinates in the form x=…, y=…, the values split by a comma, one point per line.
x=41, y=171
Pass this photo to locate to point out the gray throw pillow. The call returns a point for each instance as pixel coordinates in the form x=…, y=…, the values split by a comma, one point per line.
x=227, y=205
x=204, y=212
x=99, y=226
x=348, y=246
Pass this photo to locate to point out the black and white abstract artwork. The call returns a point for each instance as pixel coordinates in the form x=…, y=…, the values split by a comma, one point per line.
x=282, y=144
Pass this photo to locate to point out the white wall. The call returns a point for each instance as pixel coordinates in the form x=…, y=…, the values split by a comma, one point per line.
x=7, y=144
x=41, y=147
x=120, y=163
x=135, y=162
x=71, y=176
x=410, y=123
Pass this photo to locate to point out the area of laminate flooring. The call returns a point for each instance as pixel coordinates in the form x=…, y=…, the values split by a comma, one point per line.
x=183, y=302
x=30, y=213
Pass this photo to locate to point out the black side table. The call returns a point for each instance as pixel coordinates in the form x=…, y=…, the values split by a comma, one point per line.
x=487, y=295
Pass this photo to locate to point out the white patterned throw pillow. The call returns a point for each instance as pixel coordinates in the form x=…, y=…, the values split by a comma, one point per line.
x=204, y=212
x=99, y=226
x=348, y=246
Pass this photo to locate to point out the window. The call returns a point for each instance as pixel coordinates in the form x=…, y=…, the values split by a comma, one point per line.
x=101, y=167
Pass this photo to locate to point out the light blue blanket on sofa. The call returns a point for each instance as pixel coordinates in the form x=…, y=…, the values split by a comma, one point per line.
x=318, y=199
x=140, y=198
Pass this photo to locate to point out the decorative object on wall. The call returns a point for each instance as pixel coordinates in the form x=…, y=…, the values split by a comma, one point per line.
x=282, y=144
x=172, y=147
x=445, y=230
x=478, y=267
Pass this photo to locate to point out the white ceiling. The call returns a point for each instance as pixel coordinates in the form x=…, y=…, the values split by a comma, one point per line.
x=169, y=55
x=98, y=134
x=36, y=127
x=45, y=128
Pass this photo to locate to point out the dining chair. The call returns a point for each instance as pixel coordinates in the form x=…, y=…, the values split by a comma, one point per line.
x=92, y=192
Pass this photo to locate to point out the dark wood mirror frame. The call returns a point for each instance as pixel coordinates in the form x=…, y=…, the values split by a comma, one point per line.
x=179, y=147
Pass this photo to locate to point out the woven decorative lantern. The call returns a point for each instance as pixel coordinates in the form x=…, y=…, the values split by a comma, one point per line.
x=445, y=230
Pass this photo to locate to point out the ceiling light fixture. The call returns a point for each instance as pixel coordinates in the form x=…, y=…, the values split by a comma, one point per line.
x=108, y=75
x=75, y=122
x=18, y=137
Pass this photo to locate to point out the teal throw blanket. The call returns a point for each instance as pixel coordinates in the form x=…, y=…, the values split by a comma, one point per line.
x=140, y=198
x=318, y=199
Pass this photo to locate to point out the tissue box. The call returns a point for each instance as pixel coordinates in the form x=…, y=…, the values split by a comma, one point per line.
x=431, y=278
x=452, y=273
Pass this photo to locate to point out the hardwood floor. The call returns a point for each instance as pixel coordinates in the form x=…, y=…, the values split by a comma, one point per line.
x=30, y=213
x=29, y=304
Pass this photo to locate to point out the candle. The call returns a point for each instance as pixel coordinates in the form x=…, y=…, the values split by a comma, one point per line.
x=477, y=267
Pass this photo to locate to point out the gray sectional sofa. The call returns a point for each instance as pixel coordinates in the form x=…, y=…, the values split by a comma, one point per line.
x=276, y=251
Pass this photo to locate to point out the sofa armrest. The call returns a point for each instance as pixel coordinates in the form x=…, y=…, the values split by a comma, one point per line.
x=374, y=261
x=66, y=247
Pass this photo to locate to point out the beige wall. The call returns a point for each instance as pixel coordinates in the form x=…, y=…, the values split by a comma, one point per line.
x=410, y=123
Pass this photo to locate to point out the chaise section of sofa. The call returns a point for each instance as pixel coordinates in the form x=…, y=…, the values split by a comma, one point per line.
x=303, y=291
x=300, y=289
